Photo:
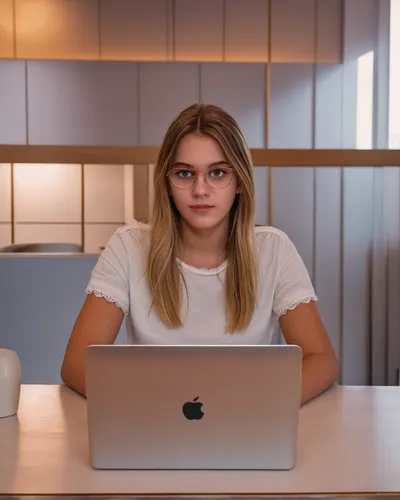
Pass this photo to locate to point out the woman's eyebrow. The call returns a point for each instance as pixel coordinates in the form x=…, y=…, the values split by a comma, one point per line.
x=184, y=164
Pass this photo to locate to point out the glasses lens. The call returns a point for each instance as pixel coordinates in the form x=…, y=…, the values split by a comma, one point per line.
x=217, y=178
x=220, y=177
x=181, y=178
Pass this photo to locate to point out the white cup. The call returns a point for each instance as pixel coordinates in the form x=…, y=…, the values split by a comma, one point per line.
x=10, y=382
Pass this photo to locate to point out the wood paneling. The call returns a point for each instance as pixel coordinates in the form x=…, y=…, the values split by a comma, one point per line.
x=198, y=34
x=5, y=192
x=47, y=193
x=293, y=31
x=48, y=233
x=134, y=30
x=57, y=29
x=329, y=31
x=6, y=29
x=246, y=31
x=195, y=30
x=5, y=234
x=141, y=202
x=104, y=193
x=147, y=155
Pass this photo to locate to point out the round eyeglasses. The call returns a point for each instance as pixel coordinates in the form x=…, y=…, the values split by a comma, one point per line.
x=216, y=178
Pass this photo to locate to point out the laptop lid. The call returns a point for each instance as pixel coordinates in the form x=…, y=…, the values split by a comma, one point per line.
x=193, y=407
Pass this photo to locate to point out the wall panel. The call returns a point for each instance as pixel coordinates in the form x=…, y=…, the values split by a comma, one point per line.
x=12, y=102
x=165, y=89
x=293, y=208
x=223, y=84
x=293, y=31
x=358, y=202
x=246, y=31
x=57, y=29
x=291, y=109
x=81, y=103
x=328, y=238
x=6, y=29
x=198, y=34
x=134, y=30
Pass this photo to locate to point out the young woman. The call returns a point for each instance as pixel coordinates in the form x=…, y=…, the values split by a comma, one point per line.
x=202, y=273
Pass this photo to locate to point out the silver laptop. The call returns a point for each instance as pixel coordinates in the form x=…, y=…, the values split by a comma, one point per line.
x=193, y=407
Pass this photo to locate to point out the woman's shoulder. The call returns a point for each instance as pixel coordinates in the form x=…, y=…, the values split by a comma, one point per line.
x=136, y=229
x=270, y=235
x=129, y=237
x=273, y=246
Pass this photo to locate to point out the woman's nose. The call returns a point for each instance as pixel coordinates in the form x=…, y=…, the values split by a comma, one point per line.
x=200, y=184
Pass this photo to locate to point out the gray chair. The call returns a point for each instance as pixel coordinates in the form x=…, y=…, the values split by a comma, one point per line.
x=42, y=248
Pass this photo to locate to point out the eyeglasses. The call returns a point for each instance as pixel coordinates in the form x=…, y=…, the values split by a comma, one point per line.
x=216, y=178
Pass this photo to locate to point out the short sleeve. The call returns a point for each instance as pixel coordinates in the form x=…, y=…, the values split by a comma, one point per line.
x=109, y=278
x=293, y=285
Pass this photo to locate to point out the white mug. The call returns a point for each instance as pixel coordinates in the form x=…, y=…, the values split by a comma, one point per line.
x=10, y=382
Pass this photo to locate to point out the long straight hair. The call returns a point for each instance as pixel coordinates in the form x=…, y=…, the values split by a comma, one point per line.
x=164, y=276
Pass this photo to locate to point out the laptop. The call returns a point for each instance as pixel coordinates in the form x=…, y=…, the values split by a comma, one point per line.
x=193, y=407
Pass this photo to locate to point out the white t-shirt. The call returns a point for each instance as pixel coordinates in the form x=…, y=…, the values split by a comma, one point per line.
x=119, y=277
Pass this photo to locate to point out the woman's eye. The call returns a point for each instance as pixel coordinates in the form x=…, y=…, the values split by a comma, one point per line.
x=218, y=172
x=183, y=173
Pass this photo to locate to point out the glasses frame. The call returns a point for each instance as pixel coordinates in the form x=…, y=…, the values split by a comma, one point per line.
x=200, y=172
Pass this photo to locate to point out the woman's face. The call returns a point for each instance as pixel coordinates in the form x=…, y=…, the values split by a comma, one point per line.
x=202, y=183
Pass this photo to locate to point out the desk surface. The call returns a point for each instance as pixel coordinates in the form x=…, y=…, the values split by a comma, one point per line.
x=349, y=443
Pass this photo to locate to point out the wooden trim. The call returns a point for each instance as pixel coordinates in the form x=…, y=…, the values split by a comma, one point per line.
x=326, y=157
x=108, y=155
x=144, y=155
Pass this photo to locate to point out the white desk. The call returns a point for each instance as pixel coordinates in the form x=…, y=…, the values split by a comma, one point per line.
x=349, y=443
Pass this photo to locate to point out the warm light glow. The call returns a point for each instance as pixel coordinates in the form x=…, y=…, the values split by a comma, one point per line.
x=36, y=17
x=365, y=100
x=47, y=193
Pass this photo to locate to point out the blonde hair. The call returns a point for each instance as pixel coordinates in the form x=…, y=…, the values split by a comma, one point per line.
x=163, y=273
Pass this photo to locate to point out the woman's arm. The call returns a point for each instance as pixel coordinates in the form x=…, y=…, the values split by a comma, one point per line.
x=98, y=322
x=304, y=327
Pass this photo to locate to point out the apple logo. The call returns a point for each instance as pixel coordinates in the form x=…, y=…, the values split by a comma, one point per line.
x=192, y=409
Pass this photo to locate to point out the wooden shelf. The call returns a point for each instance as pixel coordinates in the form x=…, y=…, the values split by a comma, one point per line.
x=143, y=155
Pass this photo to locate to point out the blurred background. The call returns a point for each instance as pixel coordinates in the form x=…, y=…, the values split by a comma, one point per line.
x=87, y=90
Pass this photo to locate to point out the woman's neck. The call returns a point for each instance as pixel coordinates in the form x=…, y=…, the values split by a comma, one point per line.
x=203, y=248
